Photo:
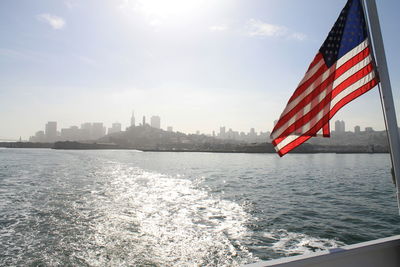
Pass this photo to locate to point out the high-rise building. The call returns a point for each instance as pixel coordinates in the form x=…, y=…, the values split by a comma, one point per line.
x=38, y=137
x=222, y=132
x=169, y=129
x=51, y=131
x=340, y=126
x=115, y=128
x=155, y=122
x=369, y=129
x=337, y=126
x=144, y=121
x=86, y=131
x=357, y=129
x=133, y=119
x=71, y=134
x=98, y=130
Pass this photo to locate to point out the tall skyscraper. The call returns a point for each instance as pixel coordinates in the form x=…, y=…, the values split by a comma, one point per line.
x=51, y=131
x=340, y=126
x=98, y=130
x=133, y=119
x=86, y=131
x=115, y=128
x=337, y=126
x=222, y=132
x=155, y=122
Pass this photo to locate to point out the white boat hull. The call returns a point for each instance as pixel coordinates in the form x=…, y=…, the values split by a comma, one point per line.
x=383, y=252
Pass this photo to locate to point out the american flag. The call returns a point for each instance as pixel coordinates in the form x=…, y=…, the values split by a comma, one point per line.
x=342, y=70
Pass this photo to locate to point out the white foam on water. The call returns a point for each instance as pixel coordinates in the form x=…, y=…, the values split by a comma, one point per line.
x=150, y=218
x=289, y=243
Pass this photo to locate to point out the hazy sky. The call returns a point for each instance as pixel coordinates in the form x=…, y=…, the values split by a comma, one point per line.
x=198, y=64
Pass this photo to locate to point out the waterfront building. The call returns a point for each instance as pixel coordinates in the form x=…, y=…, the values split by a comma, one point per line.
x=51, y=131
x=369, y=129
x=86, y=131
x=133, y=119
x=72, y=133
x=155, y=122
x=115, y=128
x=222, y=132
x=38, y=137
x=340, y=127
x=98, y=130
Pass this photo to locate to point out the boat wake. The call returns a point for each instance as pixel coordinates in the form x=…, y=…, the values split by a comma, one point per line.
x=289, y=243
x=147, y=218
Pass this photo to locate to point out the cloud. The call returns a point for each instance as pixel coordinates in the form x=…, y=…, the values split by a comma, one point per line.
x=258, y=28
x=218, y=28
x=298, y=36
x=55, y=22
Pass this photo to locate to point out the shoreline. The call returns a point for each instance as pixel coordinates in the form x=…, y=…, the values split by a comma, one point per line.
x=264, y=148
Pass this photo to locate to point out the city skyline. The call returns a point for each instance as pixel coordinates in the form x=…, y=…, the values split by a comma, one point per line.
x=197, y=64
x=96, y=130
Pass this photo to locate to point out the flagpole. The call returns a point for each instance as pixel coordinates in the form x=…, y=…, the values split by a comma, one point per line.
x=389, y=112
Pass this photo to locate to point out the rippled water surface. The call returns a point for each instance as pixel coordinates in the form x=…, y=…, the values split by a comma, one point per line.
x=128, y=208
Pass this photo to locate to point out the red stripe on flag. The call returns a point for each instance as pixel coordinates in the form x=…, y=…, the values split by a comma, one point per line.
x=325, y=84
x=301, y=139
x=317, y=108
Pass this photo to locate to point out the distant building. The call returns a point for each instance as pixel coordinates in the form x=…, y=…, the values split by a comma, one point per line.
x=133, y=119
x=71, y=134
x=51, y=131
x=369, y=129
x=222, y=132
x=38, y=137
x=98, y=130
x=144, y=121
x=197, y=132
x=86, y=131
x=115, y=128
x=340, y=126
x=169, y=129
x=337, y=126
x=357, y=129
x=155, y=122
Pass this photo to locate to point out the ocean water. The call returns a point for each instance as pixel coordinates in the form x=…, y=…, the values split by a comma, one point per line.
x=129, y=208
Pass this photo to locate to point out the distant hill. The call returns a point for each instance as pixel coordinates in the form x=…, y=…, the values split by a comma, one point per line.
x=146, y=137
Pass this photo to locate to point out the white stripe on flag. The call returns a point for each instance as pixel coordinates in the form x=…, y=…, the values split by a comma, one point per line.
x=322, y=95
x=349, y=55
x=334, y=101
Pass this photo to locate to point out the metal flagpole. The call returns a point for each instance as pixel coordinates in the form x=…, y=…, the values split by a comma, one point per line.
x=385, y=88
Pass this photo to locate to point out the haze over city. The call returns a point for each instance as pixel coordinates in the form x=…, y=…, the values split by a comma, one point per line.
x=199, y=133
x=198, y=64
